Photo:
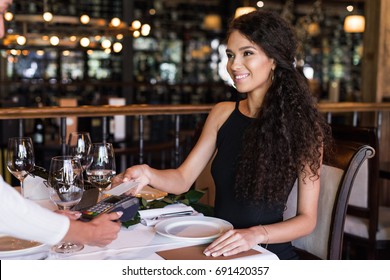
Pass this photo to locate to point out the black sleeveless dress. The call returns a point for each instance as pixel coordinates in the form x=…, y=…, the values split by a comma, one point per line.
x=227, y=207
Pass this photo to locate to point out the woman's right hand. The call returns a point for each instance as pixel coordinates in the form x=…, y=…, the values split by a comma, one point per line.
x=138, y=173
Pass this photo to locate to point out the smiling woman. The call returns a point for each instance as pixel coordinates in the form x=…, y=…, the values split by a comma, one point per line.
x=262, y=144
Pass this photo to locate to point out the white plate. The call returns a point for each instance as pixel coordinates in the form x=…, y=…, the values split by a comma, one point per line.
x=193, y=228
x=149, y=194
x=11, y=246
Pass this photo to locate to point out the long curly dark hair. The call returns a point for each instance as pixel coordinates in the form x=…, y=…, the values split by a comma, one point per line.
x=288, y=133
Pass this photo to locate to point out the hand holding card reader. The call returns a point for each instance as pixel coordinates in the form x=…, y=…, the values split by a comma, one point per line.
x=127, y=204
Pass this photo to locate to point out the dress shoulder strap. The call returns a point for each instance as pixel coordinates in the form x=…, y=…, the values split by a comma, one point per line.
x=237, y=103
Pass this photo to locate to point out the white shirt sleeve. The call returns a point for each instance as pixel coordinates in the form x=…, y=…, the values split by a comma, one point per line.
x=22, y=218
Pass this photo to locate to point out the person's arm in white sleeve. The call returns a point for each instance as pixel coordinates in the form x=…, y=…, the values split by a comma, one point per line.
x=25, y=219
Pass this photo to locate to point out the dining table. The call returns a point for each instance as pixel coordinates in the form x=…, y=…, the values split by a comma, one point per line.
x=135, y=242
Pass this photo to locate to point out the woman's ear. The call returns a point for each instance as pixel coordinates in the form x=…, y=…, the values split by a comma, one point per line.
x=273, y=64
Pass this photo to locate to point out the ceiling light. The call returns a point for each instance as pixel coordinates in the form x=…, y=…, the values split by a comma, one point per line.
x=212, y=22
x=47, y=16
x=349, y=8
x=136, y=34
x=8, y=16
x=106, y=44
x=243, y=10
x=21, y=40
x=84, y=42
x=117, y=47
x=54, y=40
x=260, y=4
x=115, y=22
x=84, y=19
x=145, y=30
x=354, y=24
x=136, y=24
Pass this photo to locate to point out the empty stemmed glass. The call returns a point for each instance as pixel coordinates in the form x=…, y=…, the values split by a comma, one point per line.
x=79, y=145
x=102, y=167
x=20, y=158
x=66, y=187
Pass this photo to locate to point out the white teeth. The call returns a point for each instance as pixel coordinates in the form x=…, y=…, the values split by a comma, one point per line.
x=239, y=77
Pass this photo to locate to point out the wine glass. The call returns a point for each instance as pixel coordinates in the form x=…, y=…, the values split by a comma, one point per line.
x=20, y=158
x=66, y=187
x=102, y=168
x=79, y=145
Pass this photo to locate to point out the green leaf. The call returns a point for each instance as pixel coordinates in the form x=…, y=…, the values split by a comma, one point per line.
x=168, y=200
x=185, y=201
x=193, y=195
x=134, y=221
x=144, y=202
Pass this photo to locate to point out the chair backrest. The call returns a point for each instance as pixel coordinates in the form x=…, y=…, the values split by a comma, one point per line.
x=364, y=198
x=338, y=174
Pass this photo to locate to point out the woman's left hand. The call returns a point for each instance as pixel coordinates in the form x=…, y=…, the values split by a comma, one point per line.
x=233, y=242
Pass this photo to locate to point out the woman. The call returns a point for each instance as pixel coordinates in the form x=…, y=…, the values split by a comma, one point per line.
x=263, y=144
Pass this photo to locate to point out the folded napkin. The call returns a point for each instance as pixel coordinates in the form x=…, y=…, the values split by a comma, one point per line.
x=148, y=217
x=34, y=188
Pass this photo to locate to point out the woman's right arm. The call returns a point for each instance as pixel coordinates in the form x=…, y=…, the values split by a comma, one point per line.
x=179, y=180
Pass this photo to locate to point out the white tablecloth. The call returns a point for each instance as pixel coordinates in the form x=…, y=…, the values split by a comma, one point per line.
x=138, y=242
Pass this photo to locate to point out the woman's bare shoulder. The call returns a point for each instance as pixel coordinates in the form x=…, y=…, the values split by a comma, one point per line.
x=224, y=107
x=221, y=111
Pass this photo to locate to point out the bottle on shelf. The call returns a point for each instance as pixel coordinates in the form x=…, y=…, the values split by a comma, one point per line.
x=39, y=126
x=39, y=132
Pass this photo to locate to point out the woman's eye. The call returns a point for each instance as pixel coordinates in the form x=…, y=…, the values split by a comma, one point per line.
x=229, y=55
x=247, y=53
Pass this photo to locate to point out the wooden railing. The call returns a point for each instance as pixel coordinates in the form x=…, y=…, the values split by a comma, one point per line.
x=143, y=109
x=148, y=110
x=105, y=110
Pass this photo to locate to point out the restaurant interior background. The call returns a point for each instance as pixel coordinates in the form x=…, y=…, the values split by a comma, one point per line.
x=174, y=56
x=97, y=52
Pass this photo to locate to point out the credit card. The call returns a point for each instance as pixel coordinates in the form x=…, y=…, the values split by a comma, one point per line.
x=122, y=188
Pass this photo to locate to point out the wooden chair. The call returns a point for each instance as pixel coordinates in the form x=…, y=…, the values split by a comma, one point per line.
x=367, y=223
x=338, y=174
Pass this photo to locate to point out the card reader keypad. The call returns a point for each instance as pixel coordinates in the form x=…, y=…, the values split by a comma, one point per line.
x=97, y=209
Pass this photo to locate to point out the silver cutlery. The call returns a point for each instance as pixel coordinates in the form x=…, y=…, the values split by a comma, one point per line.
x=173, y=214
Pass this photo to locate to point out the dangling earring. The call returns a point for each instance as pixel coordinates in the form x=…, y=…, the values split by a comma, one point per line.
x=273, y=75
